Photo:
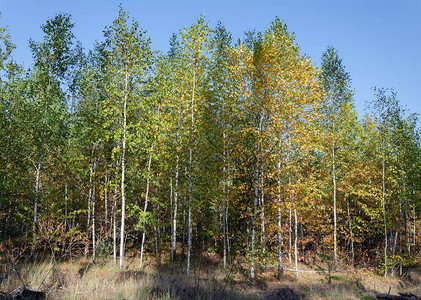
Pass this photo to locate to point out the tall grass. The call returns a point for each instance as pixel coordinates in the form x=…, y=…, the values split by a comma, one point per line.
x=79, y=279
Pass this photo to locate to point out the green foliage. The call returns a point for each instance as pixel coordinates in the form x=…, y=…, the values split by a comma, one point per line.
x=326, y=270
x=6, y=48
x=54, y=55
x=383, y=265
x=104, y=248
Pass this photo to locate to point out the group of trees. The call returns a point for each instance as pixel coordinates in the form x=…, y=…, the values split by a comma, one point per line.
x=244, y=148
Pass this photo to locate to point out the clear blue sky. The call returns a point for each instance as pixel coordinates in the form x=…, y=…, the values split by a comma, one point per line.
x=379, y=41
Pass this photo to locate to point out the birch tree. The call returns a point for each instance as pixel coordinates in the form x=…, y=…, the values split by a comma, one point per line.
x=218, y=123
x=338, y=96
x=7, y=67
x=292, y=93
x=195, y=46
x=52, y=59
x=130, y=61
x=382, y=108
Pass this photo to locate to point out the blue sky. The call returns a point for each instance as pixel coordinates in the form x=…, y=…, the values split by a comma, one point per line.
x=379, y=41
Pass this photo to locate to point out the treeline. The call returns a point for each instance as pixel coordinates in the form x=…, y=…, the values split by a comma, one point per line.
x=244, y=148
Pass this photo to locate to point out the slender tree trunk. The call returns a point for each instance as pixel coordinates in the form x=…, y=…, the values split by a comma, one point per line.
x=190, y=172
x=93, y=219
x=183, y=241
x=350, y=230
x=189, y=230
x=106, y=204
x=65, y=206
x=88, y=223
x=171, y=216
x=406, y=210
x=280, y=263
x=256, y=199
x=123, y=209
x=115, y=226
x=395, y=240
x=224, y=196
x=401, y=215
x=123, y=170
x=224, y=230
x=227, y=237
x=407, y=229
x=384, y=210
x=295, y=242
x=335, y=253
x=66, y=225
x=38, y=171
x=401, y=250
x=414, y=225
x=263, y=233
x=145, y=209
x=291, y=200
x=174, y=229
x=290, y=236
x=37, y=196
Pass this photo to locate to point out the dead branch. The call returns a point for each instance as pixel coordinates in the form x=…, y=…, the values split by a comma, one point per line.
x=401, y=296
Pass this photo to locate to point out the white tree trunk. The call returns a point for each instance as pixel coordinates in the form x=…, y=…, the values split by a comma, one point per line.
x=171, y=217
x=115, y=226
x=37, y=194
x=384, y=210
x=224, y=212
x=295, y=243
x=174, y=229
x=183, y=241
x=38, y=172
x=123, y=170
x=189, y=223
x=291, y=200
x=190, y=174
x=334, y=207
x=88, y=223
x=93, y=219
x=106, y=204
x=414, y=217
x=263, y=233
x=256, y=199
x=290, y=238
x=227, y=238
x=280, y=263
x=65, y=206
x=145, y=210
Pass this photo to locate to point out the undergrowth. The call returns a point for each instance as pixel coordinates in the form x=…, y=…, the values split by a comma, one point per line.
x=80, y=279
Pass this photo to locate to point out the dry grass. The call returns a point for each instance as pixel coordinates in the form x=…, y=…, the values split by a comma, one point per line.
x=79, y=279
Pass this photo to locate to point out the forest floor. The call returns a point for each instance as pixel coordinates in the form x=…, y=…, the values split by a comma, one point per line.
x=80, y=279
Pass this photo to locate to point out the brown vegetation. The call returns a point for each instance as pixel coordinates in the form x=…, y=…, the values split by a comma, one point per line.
x=80, y=279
